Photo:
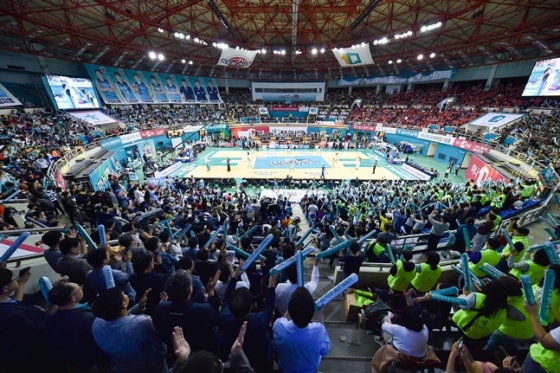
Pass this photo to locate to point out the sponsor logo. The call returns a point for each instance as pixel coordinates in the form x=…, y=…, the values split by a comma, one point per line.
x=236, y=61
x=351, y=58
x=496, y=118
x=290, y=161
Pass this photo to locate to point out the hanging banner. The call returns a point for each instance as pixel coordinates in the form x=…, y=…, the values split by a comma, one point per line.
x=495, y=120
x=353, y=56
x=6, y=98
x=263, y=110
x=153, y=133
x=237, y=58
x=480, y=171
x=398, y=79
x=313, y=111
x=92, y=117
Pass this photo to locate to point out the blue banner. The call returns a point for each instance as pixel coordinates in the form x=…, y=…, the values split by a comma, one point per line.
x=99, y=178
x=111, y=143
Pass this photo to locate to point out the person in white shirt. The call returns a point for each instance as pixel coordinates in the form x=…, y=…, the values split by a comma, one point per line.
x=139, y=196
x=284, y=291
x=312, y=210
x=226, y=272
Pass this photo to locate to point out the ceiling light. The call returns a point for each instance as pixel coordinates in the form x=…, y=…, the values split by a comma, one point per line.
x=420, y=57
x=263, y=51
x=184, y=61
x=187, y=37
x=363, y=44
x=161, y=57
x=390, y=62
x=176, y=34
x=190, y=62
x=381, y=41
x=283, y=52
x=432, y=55
x=160, y=29
x=314, y=51
x=431, y=27
x=152, y=55
x=322, y=50
x=399, y=60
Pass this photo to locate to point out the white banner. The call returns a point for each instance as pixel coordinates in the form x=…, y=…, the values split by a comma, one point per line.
x=449, y=140
x=277, y=130
x=263, y=110
x=93, y=117
x=413, y=171
x=313, y=111
x=125, y=139
x=353, y=56
x=496, y=119
x=168, y=171
x=396, y=79
x=7, y=99
x=236, y=58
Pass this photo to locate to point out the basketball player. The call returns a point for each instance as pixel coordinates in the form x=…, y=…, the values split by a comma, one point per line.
x=357, y=163
x=292, y=165
x=207, y=165
x=335, y=160
x=249, y=160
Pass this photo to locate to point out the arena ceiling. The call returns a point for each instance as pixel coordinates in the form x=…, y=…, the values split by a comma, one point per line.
x=122, y=33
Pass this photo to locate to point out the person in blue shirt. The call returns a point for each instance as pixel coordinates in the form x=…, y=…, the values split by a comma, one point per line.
x=95, y=279
x=158, y=90
x=187, y=264
x=212, y=91
x=199, y=92
x=460, y=243
x=52, y=240
x=172, y=91
x=300, y=343
x=186, y=91
x=192, y=248
x=142, y=90
x=125, y=89
x=104, y=86
x=168, y=260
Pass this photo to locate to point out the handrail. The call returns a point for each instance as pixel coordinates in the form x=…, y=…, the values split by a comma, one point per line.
x=30, y=230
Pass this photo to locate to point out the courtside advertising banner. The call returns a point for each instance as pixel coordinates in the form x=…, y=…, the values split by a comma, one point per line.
x=123, y=86
x=6, y=98
x=496, y=119
x=480, y=171
x=353, y=56
x=237, y=58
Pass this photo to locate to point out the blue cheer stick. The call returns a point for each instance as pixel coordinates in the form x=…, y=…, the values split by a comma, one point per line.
x=212, y=238
x=490, y=271
x=108, y=275
x=447, y=291
x=333, y=250
x=336, y=291
x=389, y=253
x=528, y=290
x=225, y=228
x=335, y=234
x=544, y=310
x=550, y=233
x=14, y=246
x=86, y=236
x=547, y=222
x=299, y=267
x=444, y=298
x=192, y=233
x=364, y=238
x=552, y=254
x=466, y=274
x=467, y=239
x=102, y=236
x=304, y=237
x=45, y=285
x=508, y=238
x=256, y=254
x=291, y=260
x=552, y=218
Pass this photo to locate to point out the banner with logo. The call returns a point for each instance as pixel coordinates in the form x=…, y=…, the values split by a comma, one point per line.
x=496, y=119
x=263, y=110
x=353, y=56
x=289, y=97
x=283, y=108
x=473, y=147
x=123, y=86
x=364, y=127
x=92, y=117
x=153, y=133
x=480, y=171
x=313, y=111
x=399, y=79
x=6, y=98
x=237, y=58
x=113, y=142
x=409, y=133
x=449, y=140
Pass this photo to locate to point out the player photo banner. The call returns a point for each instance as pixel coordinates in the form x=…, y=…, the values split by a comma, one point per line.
x=237, y=58
x=118, y=86
x=7, y=99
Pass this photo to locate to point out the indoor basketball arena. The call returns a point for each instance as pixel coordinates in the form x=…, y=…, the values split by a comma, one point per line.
x=279, y=187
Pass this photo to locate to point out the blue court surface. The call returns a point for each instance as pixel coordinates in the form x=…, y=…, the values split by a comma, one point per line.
x=301, y=161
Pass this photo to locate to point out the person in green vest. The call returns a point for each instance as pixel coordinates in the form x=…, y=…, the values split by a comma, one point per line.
x=427, y=274
x=517, y=326
x=488, y=255
x=402, y=273
x=485, y=312
x=518, y=234
x=555, y=299
x=528, y=190
x=544, y=356
x=375, y=253
x=534, y=267
x=497, y=220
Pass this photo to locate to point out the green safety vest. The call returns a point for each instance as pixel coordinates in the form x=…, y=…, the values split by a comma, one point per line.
x=483, y=326
x=535, y=272
x=488, y=256
x=426, y=279
x=527, y=191
x=518, y=329
x=515, y=239
x=402, y=279
x=497, y=222
x=548, y=360
x=377, y=249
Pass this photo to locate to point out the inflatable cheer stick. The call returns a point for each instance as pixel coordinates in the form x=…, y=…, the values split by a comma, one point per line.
x=552, y=254
x=546, y=221
x=212, y=238
x=389, y=253
x=453, y=300
x=257, y=253
x=288, y=262
x=13, y=247
x=304, y=237
x=45, y=285
x=334, y=249
x=225, y=227
x=335, y=234
x=86, y=236
x=467, y=239
x=108, y=275
x=448, y=291
x=466, y=274
x=544, y=310
x=508, y=238
x=193, y=234
x=250, y=231
x=102, y=235
x=336, y=290
x=364, y=238
x=299, y=265
x=490, y=271
x=241, y=253
x=528, y=290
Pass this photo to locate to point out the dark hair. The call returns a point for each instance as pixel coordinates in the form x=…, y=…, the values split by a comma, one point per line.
x=301, y=307
x=61, y=293
x=518, y=246
x=541, y=258
x=51, y=238
x=354, y=247
x=179, y=287
x=433, y=259
x=241, y=302
x=291, y=273
x=201, y=361
x=184, y=263
x=96, y=257
x=512, y=285
x=125, y=240
x=412, y=320
x=151, y=244
x=108, y=304
x=128, y=227
x=469, y=221
x=407, y=255
x=245, y=242
x=164, y=236
x=522, y=230
x=67, y=244
x=496, y=298
x=225, y=273
x=193, y=241
x=494, y=243
x=142, y=263
x=203, y=255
